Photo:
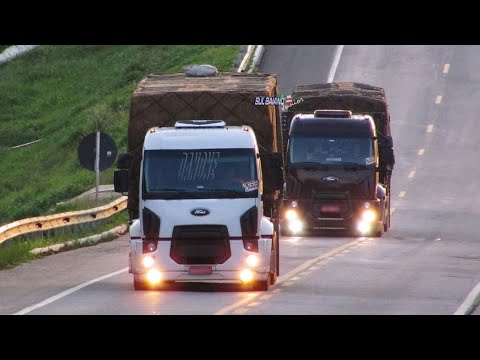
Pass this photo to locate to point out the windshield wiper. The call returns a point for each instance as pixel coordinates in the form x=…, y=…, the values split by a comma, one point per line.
x=227, y=191
x=168, y=190
x=348, y=165
x=311, y=165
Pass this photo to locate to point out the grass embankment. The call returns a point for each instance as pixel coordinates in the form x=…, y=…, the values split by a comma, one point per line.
x=59, y=94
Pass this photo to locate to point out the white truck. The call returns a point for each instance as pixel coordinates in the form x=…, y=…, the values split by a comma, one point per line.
x=208, y=199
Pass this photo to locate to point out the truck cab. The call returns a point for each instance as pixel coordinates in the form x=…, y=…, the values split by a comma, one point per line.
x=201, y=209
x=333, y=171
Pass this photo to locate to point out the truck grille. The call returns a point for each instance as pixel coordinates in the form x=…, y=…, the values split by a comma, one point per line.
x=200, y=244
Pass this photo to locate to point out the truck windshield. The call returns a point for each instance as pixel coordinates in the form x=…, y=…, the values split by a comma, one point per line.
x=205, y=173
x=331, y=150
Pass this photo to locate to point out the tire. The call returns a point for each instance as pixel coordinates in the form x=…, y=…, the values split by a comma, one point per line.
x=263, y=285
x=386, y=225
x=275, y=256
x=284, y=231
x=389, y=224
x=379, y=233
x=140, y=285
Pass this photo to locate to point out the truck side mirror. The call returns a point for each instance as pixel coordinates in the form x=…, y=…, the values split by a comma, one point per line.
x=272, y=169
x=386, y=150
x=120, y=181
x=124, y=161
x=389, y=156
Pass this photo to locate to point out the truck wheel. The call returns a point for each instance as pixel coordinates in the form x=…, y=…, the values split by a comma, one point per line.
x=380, y=232
x=263, y=285
x=386, y=226
x=284, y=231
x=140, y=285
x=274, y=263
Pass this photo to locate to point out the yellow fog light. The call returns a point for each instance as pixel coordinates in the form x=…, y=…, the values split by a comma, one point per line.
x=252, y=260
x=154, y=276
x=291, y=214
x=364, y=227
x=369, y=215
x=246, y=275
x=295, y=226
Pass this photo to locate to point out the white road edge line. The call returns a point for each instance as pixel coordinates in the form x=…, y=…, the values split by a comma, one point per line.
x=336, y=61
x=67, y=292
x=446, y=68
x=470, y=302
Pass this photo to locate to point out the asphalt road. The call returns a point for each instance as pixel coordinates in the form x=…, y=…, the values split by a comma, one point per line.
x=426, y=264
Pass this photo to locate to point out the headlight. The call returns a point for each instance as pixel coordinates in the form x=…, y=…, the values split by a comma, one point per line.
x=148, y=261
x=291, y=214
x=369, y=215
x=252, y=260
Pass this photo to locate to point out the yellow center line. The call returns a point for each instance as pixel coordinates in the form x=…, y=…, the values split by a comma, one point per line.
x=255, y=303
x=287, y=276
x=412, y=174
x=266, y=297
x=421, y=151
x=402, y=194
x=446, y=68
x=287, y=284
x=438, y=99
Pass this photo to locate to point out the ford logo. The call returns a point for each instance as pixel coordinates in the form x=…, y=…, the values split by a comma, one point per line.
x=330, y=178
x=199, y=212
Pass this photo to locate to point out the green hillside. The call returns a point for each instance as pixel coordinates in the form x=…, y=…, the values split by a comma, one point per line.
x=58, y=94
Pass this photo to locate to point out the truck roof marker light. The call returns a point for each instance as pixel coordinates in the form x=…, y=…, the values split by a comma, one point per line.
x=333, y=113
x=152, y=130
x=245, y=129
x=199, y=124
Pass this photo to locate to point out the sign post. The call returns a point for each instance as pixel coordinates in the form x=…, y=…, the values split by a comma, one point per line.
x=97, y=152
x=97, y=166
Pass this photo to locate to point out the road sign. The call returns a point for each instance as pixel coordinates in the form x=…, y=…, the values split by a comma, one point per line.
x=87, y=151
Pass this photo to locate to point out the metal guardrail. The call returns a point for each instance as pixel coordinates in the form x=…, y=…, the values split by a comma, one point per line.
x=43, y=223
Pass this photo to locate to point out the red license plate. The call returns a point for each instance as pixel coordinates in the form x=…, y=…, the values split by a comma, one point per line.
x=330, y=208
x=200, y=270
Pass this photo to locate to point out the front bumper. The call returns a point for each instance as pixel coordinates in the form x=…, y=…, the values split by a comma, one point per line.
x=229, y=271
x=348, y=218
